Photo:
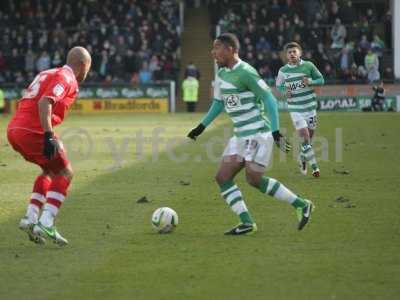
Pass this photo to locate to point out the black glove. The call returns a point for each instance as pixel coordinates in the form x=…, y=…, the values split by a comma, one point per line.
x=50, y=145
x=281, y=141
x=195, y=132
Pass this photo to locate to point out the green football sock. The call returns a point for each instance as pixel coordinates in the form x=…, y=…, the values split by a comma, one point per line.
x=233, y=197
x=309, y=155
x=277, y=190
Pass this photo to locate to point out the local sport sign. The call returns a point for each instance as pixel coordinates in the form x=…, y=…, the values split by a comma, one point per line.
x=353, y=103
x=357, y=103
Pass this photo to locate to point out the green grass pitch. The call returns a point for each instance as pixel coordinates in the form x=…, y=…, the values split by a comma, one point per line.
x=350, y=250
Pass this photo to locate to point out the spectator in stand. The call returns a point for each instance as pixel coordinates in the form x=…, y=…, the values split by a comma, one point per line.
x=19, y=78
x=145, y=74
x=348, y=13
x=104, y=64
x=333, y=12
x=371, y=18
x=117, y=69
x=30, y=59
x=280, y=20
x=329, y=72
x=364, y=44
x=364, y=28
x=275, y=11
x=131, y=64
x=372, y=66
x=345, y=62
x=320, y=55
x=81, y=22
x=353, y=74
x=266, y=74
x=155, y=68
x=387, y=23
x=312, y=7
x=338, y=35
x=275, y=63
x=250, y=58
x=16, y=62
x=43, y=62
x=108, y=80
x=56, y=61
x=359, y=56
x=377, y=45
x=168, y=66
x=260, y=61
x=263, y=45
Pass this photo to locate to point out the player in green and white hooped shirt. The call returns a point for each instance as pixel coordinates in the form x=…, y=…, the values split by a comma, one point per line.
x=244, y=95
x=296, y=79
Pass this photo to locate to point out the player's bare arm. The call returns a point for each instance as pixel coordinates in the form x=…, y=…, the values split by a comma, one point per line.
x=51, y=145
x=45, y=108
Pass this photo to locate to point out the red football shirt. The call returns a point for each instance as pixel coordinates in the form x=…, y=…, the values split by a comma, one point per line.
x=58, y=84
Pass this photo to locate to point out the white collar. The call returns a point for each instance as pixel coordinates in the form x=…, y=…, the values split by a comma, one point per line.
x=235, y=66
x=296, y=65
x=68, y=67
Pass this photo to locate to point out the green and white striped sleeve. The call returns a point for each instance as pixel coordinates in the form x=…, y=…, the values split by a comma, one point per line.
x=316, y=76
x=262, y=91
x=217, y=105
x=280, y=82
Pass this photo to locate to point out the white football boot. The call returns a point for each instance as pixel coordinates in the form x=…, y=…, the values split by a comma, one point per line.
x=27, y=226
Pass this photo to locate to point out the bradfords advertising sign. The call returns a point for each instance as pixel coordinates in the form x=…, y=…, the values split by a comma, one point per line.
x=332, y=103
x=116, y=105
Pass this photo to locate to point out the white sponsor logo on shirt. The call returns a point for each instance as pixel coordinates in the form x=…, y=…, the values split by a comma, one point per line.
x=231, y=100
x=58, y=90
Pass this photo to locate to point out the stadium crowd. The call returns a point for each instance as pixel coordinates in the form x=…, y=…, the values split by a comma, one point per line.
x=346, y=41
x=130, y=40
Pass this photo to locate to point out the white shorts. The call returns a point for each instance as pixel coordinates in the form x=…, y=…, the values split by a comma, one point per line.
x=304, y=119
x=256, y=148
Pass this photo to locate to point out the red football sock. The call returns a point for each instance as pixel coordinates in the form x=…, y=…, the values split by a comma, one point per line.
x=40, y=188
x=38, y=197
x=55, y=198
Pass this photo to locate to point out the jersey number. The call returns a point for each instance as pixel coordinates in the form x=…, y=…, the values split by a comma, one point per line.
x=34, y=87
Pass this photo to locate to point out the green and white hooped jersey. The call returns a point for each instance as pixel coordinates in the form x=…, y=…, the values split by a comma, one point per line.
x=291, y=77
x=239, y=89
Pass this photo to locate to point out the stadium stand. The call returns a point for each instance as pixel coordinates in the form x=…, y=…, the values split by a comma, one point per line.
x=130, y=41
x=350, y=41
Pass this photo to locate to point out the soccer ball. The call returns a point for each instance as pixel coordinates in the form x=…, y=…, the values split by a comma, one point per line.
x=164, y=219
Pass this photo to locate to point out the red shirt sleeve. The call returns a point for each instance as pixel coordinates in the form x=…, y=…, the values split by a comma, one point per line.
x=55, y=87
